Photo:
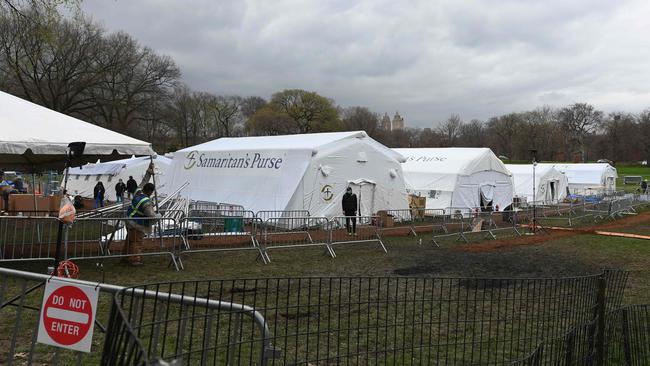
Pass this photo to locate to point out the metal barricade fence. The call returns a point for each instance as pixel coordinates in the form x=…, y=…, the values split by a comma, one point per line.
x=280, y=214
x=431, y=220
x=355, y=229
x=188, y=323
x=214, y=233
x=294, y=232
x=373, y=320
x=21, y=294
x=24, y=238
x=457, y=223
x=102, y=238
x=196, y=208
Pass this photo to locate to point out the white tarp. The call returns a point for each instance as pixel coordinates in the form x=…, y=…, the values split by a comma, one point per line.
x=28, y=126
x=588, y=176
x=294, y=172
x=457, y=177
x=83, y=179
x=550, y=184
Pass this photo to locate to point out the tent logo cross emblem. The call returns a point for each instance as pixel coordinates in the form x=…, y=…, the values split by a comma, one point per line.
x=191, y=160
x=326, y=193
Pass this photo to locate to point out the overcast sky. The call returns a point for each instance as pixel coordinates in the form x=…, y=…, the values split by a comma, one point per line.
x=426, y=59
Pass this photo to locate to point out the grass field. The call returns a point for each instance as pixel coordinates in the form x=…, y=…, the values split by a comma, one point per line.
x=643, y=171
x=553, y=257
x=547, y=256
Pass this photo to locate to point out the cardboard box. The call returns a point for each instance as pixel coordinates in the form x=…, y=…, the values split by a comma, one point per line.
x=417, y=202
x=386, y=219
x=25, y=202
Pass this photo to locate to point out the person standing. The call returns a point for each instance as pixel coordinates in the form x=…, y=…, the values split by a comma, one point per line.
x=138, y=223
x=349, y=203
x=644, y=186
x=131, y=186
x=98, y=194
x=120, y=188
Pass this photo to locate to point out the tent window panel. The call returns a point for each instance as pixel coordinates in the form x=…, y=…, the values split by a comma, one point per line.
x=433, y=194
x=110, y=178
x=98, y=177
x=87, y=178
x=77, y=177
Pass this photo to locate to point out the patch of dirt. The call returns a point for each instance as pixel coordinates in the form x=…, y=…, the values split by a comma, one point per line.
x=627, y=222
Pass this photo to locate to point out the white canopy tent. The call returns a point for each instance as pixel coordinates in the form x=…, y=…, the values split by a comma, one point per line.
x=550, y=184
x=457, y=177
x=34, y=136
x=293, y=172
x=83, y=179
x=589, y=177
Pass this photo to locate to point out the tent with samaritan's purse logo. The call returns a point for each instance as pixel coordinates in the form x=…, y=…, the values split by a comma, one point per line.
x=293, y=172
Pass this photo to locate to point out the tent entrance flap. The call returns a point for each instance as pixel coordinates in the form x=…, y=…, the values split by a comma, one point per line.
x=365, y=190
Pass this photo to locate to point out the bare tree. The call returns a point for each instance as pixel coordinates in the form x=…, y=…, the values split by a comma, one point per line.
x=360, y=118
x=226, y=111
x=250, y=105
x=504, y=130
x=51, y=62
x=450, y=130
x=133, y=78
x=580, y=120
x=472, y=134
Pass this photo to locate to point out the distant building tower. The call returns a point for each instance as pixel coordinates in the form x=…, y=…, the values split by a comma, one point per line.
x=398, y=122
x=385, y=122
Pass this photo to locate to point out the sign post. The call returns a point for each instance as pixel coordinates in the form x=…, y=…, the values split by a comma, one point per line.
x=68, y=315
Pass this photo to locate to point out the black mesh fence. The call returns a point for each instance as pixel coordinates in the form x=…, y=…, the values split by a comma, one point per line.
x=375, y=320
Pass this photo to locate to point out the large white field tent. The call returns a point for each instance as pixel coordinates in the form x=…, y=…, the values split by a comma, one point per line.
x=83, y=179
x=294, y=172
x=34, y=137
x=550, y=184
x=457, y=177
x=588, y=178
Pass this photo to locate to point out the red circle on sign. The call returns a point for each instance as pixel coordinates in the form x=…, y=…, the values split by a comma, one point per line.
x=67, y=315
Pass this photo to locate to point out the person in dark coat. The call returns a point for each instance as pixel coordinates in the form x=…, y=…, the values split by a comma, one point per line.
x=120, y=188
x=349, y=203
x=131, y=186
x=644, y=186
x=98, y=194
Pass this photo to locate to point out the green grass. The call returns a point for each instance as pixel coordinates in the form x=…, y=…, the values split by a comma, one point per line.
x=569, y=256
x=622, y=171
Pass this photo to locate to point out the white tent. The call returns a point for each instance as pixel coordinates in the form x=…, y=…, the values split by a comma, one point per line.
x=34, y=136
x=457, y=177
x=294, y=172
x=589, y=177
x=83, y=179
x=550, y=184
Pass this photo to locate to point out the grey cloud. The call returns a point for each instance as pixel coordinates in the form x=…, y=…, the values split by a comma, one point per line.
x=426, y=59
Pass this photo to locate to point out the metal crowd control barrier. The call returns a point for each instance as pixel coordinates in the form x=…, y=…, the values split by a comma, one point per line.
x=101, y=238
x=294, y=232
x=24, y=238
x=167, y=324
x=413, y=219
x=342, y=231
x=217, y=231
x=21, y=294
x=210, y=207
x=457, y=221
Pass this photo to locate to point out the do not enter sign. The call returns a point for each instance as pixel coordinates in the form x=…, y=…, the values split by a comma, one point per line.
x=68, y=315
